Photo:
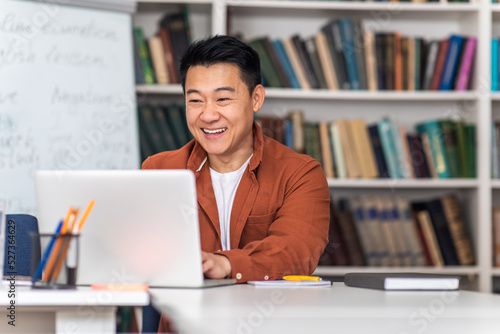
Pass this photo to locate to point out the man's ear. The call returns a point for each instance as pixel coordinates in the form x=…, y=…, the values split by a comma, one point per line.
x=258, y=96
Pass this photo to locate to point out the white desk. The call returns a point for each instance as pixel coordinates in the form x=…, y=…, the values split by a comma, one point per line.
x=246, y=309
x=66, y=311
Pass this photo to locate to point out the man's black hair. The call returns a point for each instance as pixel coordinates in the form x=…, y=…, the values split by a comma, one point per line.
x=223, y=49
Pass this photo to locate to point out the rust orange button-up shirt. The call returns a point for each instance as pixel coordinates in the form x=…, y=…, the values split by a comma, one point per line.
x=280, y=215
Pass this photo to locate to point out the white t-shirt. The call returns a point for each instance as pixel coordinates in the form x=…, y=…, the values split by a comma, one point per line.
x=225, y=186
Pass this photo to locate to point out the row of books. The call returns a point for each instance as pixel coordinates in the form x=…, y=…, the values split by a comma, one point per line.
x=343, y=55
x=355, y=149
x=162, y=128
x=495, y=228
x=495, y=149
x=157, y=58
x=387, y=231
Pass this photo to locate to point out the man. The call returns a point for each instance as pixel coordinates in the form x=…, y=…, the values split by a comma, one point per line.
x=263, y=208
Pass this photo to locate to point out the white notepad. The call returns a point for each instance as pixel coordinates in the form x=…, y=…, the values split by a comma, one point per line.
x=291, y=284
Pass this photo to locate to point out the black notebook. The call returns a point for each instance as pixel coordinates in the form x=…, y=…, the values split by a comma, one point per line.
x=402, y=281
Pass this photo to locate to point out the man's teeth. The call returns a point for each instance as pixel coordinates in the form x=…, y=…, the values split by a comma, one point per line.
x=214, y=131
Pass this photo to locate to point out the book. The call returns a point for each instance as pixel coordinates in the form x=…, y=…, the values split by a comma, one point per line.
x=305, y=60
x=338, y=151
x=312, y=51
x=363, y=149
x=332, y=35
x=276, y=62
x=359, y=44
x=280, y=51
x=440, y=62
x=465, y=69
x=268, y=70
x=458, y=230
x=369, y=217
x=398, y=62
x=402, y=281
x=357, y=231
x=350, y=234
x=350, y=157
x=335, y=252
x=432, y=51
x=297, y=119
x=494, y=65
x=433, y=130
x=495, y=226
x=451, y=63
x=326, y=151
x=442, y=230
x=378, y=151
x=296, y=63
x=144, y=56
x=326, y=61
x=158, y=60
x=429, y=235
x=389, y=147
x=178, y=30
x=164, y=35
x=346, y=26
x=371, y=61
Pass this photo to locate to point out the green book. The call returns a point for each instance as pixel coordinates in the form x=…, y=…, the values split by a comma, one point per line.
x=462, y=149
x=470, y=149
x=270, y=74
x=149, y=129
x=433, y=131
x=144, y=57
x=166, y=133
x=451, y=150
x=176, y=121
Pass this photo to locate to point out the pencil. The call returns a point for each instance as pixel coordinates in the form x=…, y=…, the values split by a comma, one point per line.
x=65, y=244
x=55, y=251
x=85, y=215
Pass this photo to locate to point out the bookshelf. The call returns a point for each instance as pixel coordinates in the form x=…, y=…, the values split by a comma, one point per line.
x=280, y=19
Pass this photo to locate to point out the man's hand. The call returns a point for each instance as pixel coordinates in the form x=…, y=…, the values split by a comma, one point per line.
x=215, y=265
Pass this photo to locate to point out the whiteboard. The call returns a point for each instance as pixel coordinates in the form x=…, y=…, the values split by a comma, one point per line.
x=67, y=97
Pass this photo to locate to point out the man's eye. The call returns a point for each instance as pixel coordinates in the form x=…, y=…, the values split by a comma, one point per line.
x=194, y=101
x=223, y=99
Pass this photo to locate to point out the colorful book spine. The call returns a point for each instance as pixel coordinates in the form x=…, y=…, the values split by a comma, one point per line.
x=433, y=131
x=285, y=62
x=494, y=65
x=465, y=69
x=451, y=62
x=347, y=35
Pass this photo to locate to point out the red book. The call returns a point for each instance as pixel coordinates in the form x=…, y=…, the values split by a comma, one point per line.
x=438, y=68
x=169, y=58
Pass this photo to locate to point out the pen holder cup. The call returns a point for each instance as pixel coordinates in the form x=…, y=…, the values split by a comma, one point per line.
x=58, y=266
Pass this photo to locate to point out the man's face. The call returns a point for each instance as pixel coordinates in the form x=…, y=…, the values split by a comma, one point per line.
x=219, y=110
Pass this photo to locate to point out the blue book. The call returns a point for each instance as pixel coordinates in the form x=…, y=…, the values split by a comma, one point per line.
x=451, y=62
x=288, y=133
x=349, y=45
x=279, y=49
x=494, y=65
x=377, y=150
x=389, y=147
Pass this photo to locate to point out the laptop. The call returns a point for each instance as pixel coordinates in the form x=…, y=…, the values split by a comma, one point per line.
x=143, y=228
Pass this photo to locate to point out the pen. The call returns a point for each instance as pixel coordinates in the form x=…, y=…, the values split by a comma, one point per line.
x=50, y=266
x=46, y=254
x=299, y=278
x=65, y=245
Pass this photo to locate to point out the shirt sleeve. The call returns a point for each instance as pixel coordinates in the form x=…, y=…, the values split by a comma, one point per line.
x=297, y=236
